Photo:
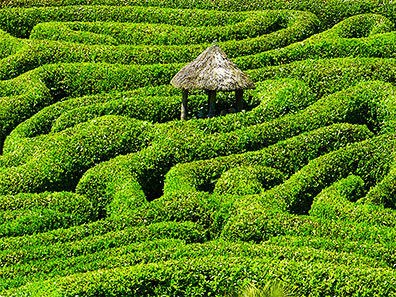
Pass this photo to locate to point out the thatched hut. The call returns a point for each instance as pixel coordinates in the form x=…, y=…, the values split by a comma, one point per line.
x=212, y=71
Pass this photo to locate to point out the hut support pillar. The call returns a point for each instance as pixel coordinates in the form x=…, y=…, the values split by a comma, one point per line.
x=212, y=102
x=184, y=108
x=238, y=99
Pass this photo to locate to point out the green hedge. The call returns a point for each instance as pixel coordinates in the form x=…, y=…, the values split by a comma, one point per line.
x=247, y=180
x=159, y=34
x=384, y=192
x=173, y=249
x=336, y=202
x=270, y=100
x=20, y=22
x=334, y=45
x=359, y=247
x=368, y=159
x=82, y=79
x=17, y=105
x=298, y=25
x=23, y=214
x=26, y=134
x=111, y=184
x=150, y=166
x=60, y=235
x=69, y=154
x=215, y=276
x=284, y=155
x=326, y=76
x=188, y=231
x=338, y=41
x=46, y=85
x=9, y=45
x=330, y=12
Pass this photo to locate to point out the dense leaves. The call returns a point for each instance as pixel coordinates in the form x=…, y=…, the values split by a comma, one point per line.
x=104, y=192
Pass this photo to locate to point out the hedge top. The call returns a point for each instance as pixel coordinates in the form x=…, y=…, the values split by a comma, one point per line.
x=212, y=70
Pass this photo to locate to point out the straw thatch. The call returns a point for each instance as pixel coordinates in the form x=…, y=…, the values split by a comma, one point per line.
x=212, y=70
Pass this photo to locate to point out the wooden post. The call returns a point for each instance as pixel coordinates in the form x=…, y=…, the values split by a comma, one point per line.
x=238, y=99
x=212, y=103
x=184, y=108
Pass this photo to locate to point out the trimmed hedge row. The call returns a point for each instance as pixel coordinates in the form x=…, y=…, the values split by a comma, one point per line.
x=82, y=79
x=368, y=159
x=111, y=182
x=351, y=105
x=51, y=83
x=299, y=25
x=9, y=45
x=149, y=166
x=274, y=99
x=70, y=153
x=181, y=154
x=333, y=45
x=254, y=221
x=20, y=98
x=336, y=202
x=271, y=99
x=363, y=247
x=214, y=276
x=61, y=235
x=24, y=214
x=20, y=22
x=174, y=249
x=384, y=193
x=246, y=180
x=37, y=54
x=148, y=108
x=335, y=42
x=136, y=33
x=17, y=275
x=22, y=148
x=330, y=12
x=358, y=26
x=326, y=76
x=284, y=155
x=49, y=151
x=187, y=231
x=42, y=122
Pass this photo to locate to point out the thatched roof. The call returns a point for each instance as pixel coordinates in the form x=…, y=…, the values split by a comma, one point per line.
x=212, y=70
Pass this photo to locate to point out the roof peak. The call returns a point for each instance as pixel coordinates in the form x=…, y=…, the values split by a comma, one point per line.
x=212, y=70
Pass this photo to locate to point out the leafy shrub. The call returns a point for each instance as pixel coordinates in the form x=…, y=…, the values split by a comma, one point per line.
x=296, y=193
x=23, y=214
x=248, y=180
x=336, y=202
x=298, y=186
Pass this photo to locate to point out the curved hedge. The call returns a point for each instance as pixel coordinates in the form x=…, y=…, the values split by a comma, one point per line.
x=73, y=151
x=212, y=275
x=103, y=191
x=330, y=12
x=368, y=159
x=23, y=214
x=336, y=202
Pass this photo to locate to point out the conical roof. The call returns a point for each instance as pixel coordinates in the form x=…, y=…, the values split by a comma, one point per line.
x=212, y=70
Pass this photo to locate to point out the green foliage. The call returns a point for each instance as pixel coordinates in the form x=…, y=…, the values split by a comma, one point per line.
x=104, y=192
x=336, y=202
x=248, y=180
x=30, y=213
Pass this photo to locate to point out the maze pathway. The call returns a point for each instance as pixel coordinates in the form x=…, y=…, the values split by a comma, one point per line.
x=104, y=192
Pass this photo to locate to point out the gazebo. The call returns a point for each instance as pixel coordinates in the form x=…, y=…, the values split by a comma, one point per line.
x=211, y=71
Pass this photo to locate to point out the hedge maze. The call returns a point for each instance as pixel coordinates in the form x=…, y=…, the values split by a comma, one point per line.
x=104, y=192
